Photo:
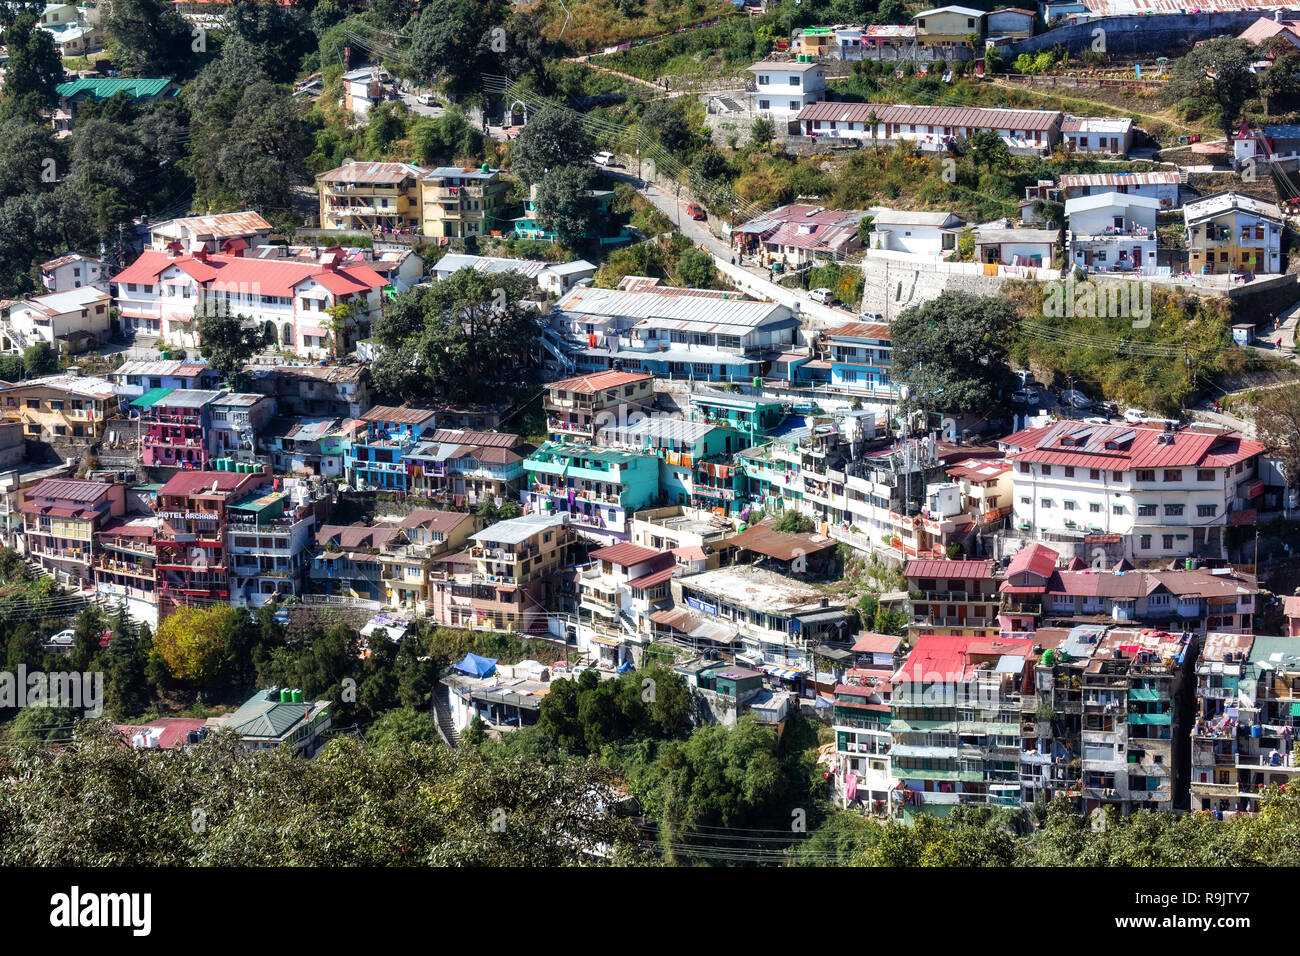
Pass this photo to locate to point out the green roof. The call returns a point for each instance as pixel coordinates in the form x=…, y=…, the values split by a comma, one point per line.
x=102, y=88
x=260, y=717
x=1143, y=693
x=151, y=397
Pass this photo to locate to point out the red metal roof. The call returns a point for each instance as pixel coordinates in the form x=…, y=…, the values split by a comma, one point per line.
x=941, y=658
x=587, y=384
x=1037, y=559
x=943, y=568
x=860, y=330
x=869, y=642
x=276, y=277
x=1129, y=447
x=201, y=482
x=653, y=578
x=625, y=554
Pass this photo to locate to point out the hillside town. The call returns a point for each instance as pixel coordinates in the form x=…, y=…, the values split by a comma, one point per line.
x=909, y=398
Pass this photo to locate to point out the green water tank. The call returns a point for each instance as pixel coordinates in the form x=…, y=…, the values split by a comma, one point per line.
x=758, y=382
x=1049, y=658
x=297, y=695
x=286, y=695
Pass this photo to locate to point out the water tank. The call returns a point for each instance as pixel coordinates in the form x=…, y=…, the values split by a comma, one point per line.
x=1256, y=730
x=1049, y=658
x=286, y=695
x=297, y=695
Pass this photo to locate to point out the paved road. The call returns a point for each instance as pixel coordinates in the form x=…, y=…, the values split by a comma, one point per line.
x=746, y=275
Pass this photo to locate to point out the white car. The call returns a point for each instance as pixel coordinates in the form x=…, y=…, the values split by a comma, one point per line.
x=820, y=296
x=1025, y=396
x=1134, y=415
x=1096, y=421
x=63, y=637
x=603, y=159
x=427, y=99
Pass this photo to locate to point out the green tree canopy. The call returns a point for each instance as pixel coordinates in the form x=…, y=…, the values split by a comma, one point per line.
x=554, y=137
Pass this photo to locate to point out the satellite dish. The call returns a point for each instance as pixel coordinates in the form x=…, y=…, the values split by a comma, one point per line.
x=906, y=392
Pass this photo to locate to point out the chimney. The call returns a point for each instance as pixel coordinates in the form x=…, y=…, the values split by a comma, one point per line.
x=174, y=248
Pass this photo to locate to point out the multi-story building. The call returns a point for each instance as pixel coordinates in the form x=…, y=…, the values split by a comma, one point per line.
x=507, y=580
x=407, y=558
x=617, y=592
x=1111, y=232
x=797, y=235
x=956, y=31
x=1267, y=702
x=754, y=416
x=1232, y=232
x=458, y=202
x=66, y=408
x=1146, y=492
x=531, y=226
x=237, y=420
x=1162, y=185
x=71, y=321
x=1223, y=664
x=318, y=391
x=297, y=446
x=369, y=196
x=860, y=719
x=464, y=467
x=683, y=448
x=174, y=427
x=242, y=230
x=699, y=334
x=193, y=510
x=270, y=535
x=576, y=408
x=953, y=597
x=346, y=562
x=74, y=271
x=377, y=459
x=778, y=620
x=860, y=357
x=681, y=530
x=780, y=90
x=162, y=293
x=272, y=718
x=125, y=571
x=955, y=723
x=133, y=379
x=599, y=488
x=60, y=519
x=914, y=232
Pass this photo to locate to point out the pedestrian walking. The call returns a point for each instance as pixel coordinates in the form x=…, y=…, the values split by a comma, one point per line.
x=1279, y=343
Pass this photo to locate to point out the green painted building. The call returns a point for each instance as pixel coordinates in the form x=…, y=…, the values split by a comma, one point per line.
x=600, y=488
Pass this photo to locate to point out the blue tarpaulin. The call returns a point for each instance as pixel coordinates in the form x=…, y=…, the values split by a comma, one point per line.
x=476, y=666
x=624, y=667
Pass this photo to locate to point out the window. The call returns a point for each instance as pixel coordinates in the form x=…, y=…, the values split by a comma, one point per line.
x=1206, y=511
x=1146, y=511
x=1069, y=471
x=1144, y=542
x=1117, y=509
x=1168, y=541
x=1117, y=476
x=1094, y=507
x=1204, y=474
x=794, y=81
x=1069, y=506
x=1047, y=469
x=1094, y=474
x=1173, y=511
x=1046, y=502
x=1146, y=474
x=1173, y=475
x=763, y=79
x=1024, y=468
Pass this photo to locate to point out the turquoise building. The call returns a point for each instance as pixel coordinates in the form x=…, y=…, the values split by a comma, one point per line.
x=754, y=417
x=600, y=488
x=694, y=459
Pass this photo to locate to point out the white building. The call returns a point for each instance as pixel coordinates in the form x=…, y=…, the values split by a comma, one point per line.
x=931, y=128
x=1162, y=185
x=918, y=233
x=1110, y=232
x=783, y=89
x=158, y=293
x=1233, y=232
x=269, y=536
x=210, y=233
x=1102, y=135
x=133, y=379
x=1016, y=247
x=74, y=271
x=617, y=593
x=555, y=277
x=364, y=88
x=71, y=320
x=1163, y=494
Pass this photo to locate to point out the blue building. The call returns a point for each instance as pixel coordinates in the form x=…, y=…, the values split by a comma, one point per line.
x=860, y=358
x=375, y=459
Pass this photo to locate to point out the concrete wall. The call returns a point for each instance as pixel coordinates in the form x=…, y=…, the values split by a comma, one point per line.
x=1156, y=35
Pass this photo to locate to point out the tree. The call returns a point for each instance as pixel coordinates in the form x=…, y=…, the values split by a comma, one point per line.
x=33, y=71
x=987, y=147
x=225, y=342
x=952, y=351
x=456, y=41
x=696, y=269
x=762, y=131
x=666, y=121
x=1280, y=83
x=445, y=138
x=1277, y=421
x=40, y=359
x=564, y=203
x=148, y=37
x=191, y=642
x=794, y=522
x=399, y=728
x=554, y=137
x=385, y=125
x=1217, y=73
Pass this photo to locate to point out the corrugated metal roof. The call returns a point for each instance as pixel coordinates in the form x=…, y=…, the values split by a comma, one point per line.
x=1120, y=179
x=975, y=117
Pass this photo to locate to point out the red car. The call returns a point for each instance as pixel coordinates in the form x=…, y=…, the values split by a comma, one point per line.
x=696, y=212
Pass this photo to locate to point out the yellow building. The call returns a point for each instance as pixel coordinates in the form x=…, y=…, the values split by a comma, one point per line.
x=815, y=41
x=406, y=559
x=1232, y=232
x=948, y=26
x=60, y=408
x=459, y=202
x=366, y=196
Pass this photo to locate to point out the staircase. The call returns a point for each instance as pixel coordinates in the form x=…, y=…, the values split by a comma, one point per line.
x=442, y=716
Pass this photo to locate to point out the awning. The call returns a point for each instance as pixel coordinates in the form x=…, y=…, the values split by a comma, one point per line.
x=1256, y=489
x=784, y=673
x=151, y=397
x=605, y=641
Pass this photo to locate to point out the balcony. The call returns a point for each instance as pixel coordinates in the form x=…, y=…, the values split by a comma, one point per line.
x=134, y=568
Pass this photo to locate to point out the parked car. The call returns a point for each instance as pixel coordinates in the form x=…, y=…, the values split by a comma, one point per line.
x=696, y=212
x=427, y=99
x=1094, y=420
x=63, y=638
x=603, y=159
x=1134, y=415
x=870, y=317
x=1025, y=396
x=1108, y=409
x=820, y=296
